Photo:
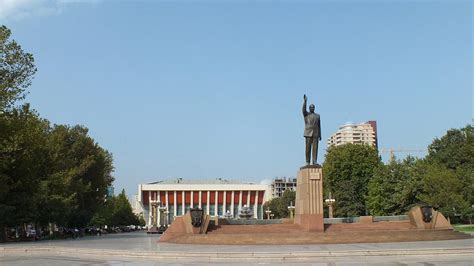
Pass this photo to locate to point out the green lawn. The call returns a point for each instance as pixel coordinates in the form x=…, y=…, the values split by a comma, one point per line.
x=464, y=227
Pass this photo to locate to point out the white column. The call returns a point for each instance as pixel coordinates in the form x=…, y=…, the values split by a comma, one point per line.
x=216, y=211
x=208, y=200
x=175, y=204
x=200, y=199
x=232, y=204
x=149, y=208
x=248, y=199
x=224, y=203
x=192, y=199
x=184, y=200
x=158, y=222
x=167, y=216
x=240, y=200
x=255, y=213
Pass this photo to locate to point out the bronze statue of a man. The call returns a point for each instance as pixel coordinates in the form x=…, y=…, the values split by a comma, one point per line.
x=312, y=131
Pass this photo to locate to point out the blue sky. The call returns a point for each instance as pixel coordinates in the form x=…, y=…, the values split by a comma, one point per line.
x=204, y=89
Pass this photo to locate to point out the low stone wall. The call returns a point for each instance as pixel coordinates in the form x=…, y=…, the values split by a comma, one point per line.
x=393, y=218
x=248, y=222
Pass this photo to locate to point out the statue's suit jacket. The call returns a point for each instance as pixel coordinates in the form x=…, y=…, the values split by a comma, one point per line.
x=312, y=125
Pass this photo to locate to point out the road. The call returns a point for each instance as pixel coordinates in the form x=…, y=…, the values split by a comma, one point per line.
x=141, y=249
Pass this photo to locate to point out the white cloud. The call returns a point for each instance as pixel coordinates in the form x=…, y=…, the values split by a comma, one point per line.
x=19, y=9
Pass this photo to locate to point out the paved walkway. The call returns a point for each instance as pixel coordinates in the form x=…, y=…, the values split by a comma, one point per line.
x=139, y=248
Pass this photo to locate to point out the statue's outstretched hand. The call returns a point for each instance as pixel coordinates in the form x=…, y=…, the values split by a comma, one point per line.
x=305, y=98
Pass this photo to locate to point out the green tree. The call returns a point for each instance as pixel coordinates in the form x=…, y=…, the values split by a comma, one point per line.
x=141, y=220
x=347, y=170
x=123, y=213
x=17, y=69
x=395, y=187
x=48, y=174
x=22, y=166
x=84, y=169
x=455, y=151
x=442, y=190
x=279, y=206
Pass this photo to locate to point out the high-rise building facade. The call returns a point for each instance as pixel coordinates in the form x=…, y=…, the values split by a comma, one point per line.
x=281, y=184
x=363, y=133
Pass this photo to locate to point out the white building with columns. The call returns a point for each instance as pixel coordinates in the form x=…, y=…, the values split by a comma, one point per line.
x=215, y=197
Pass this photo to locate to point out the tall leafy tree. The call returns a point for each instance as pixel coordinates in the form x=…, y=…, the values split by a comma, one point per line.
x=347, y=171
x=442, y=190
x=17, y=69
x=455, y=151
x=23, y=164
x=82, y=170
x=117, y=211
x=48, y=174
x=395, y=187
x=123, y=214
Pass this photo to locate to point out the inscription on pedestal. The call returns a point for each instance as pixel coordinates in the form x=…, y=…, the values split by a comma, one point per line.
x=314, y=175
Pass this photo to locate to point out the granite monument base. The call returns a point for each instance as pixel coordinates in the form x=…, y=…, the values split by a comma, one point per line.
x=309, y=198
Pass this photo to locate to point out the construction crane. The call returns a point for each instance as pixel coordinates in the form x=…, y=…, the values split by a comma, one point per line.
x=392, y=151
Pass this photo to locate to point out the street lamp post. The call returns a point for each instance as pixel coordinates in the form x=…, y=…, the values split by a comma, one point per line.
x=268, y=213
x=291, y=208
x=162, y=211
x=330, y=201
x=166, y=217
x=154, y=217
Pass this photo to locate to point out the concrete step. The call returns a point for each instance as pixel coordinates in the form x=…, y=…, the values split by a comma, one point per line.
x=322, y=238
x=399, y=225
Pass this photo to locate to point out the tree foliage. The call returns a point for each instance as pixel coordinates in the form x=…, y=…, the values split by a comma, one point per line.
x=17, y=69
x=442, y=190
x=48, y=173
x=117, y=211
x=455, y=151
x=279, y=206
x=347, y=171
x=444, y=179
x=23, y=164
x=395, y=187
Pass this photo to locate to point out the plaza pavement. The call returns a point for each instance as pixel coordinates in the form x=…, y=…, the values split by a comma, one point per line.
x=141, y=249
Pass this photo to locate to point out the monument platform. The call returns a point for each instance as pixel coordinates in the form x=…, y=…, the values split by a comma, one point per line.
x=288, y=234
x=308, y=227
x=287, y=231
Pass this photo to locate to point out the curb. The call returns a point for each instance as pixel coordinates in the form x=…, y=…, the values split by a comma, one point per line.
x=234, y=255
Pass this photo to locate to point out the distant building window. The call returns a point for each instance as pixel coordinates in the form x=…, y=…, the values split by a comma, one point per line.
x=212, y=210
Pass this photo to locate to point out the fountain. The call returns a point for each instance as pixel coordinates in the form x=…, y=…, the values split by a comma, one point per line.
x=228, y=215
x=245, y=213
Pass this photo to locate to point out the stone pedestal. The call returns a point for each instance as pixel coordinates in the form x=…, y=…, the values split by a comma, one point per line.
x=438, y=221
x=309, y=198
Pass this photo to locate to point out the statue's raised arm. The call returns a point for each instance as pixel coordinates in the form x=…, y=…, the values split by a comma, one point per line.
x=304, y=105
